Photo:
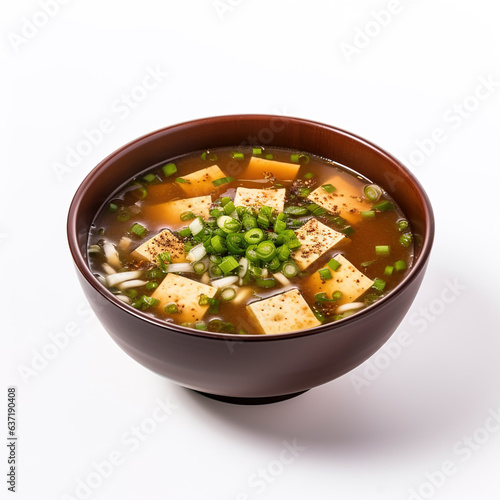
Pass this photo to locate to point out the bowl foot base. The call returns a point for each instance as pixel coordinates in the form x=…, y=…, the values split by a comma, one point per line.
x=251, y=401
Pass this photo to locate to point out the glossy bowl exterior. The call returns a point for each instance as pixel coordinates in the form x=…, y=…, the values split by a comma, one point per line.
x=253, y=366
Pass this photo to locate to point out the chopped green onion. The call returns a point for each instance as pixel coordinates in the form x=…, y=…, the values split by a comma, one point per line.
x=325, y=274
x=405, y=239
x=171, y=308
x=215, y=259
x=163, y=260
x=139, y=230
x=200, y=326
x=155, y=273
x=149, y=177
x=269, y=157
x=329, y=188
x=236, y=243
x=249, y=222
x=199, y=267
x=196, y=226
x=266, y=282
x=180, y=180
x=279, y=226
x=382, y=250
x=309, y=175
x=337, y=295
x=238, y=156
x=296, y=158
x=204, y=300
x=402, y=224
x=147, y=302
x=319, y=316
x=368, y=214
x=303, y=192
x=215, y=270
x=384, y=206
x=289, y=269
x=140, y=192
x=152, y=285
x=229, y=208
x=400, y=265
x=214, y=306
x=378, y=284
x=228, y=328
x=293, y=244
x=208, y=156
x=254, y=236
x=348, y=230
x=224, y=180
x=215, y=325
x=169, y=169
x=228, y=293
x=185, y=216
x=334, y=264
x=275, y=264
x=388, y=270
x=322, y=298
x=283, y=253
x=256, y=151
x=186, y=232
x=294, y=210
x=372, y=192
x=218, y=243
x=266, y=251
x=316, y=209
x=113, y=207
x=251, y=254
x=224, y=201
x=228, y=264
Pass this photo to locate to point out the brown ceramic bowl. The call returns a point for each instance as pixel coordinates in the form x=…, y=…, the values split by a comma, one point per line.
x=253, y=368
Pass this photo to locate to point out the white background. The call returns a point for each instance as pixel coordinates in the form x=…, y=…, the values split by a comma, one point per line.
x=380, y=432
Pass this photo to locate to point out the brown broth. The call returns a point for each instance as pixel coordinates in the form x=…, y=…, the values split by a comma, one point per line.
x=358, y=247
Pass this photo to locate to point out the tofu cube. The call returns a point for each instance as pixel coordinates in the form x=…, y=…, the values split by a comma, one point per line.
x=169, y=213
x=162, y=242
x=346, y=200
x=200, y=182
x=286, y=312
x=185, y=294
x=316, y=239
x=259, y=168
x=274, y=198
x=346, y=279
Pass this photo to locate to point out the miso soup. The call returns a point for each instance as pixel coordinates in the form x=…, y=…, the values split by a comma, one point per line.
x=250, y=240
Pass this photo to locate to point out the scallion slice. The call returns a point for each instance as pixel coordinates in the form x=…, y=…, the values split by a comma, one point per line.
x=199, y=267
x=188, y=215
x=149, y=177
x=171, y=308
x=228, y=264
x=266, y=282
x=383, y=250
x=228, y=293
x=405, y=239
x=333, y=264
x=328, y=188
x=181, y=180
x=224, y=180
x=388, y=270
x=139, y=230
x=238, y=156
x=325, y=274
x=169, y=169
x=266, y=251
x=384, y=206
x=295, y=210
x=290, y=269
x=257, y=151
x=400, y=265
x=368, y=214
x=378, y=284
x=372, y=192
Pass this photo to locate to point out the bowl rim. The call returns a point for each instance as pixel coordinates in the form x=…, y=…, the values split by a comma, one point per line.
x=82, y=265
